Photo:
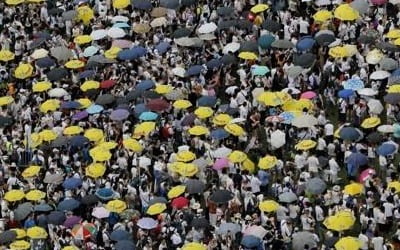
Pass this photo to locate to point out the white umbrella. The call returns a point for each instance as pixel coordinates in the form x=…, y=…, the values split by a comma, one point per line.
x=116, y=32
x=375, y=106
x=256, y=92
x=185, y=41
x=367, y=92
x=39, y=53
x=295, y=71
x=178, y=71
x=122, y=19
x=100, y=213
x=158, y=22
x=57, y=92
x=143, y=162
x=386, y=128
x=207, y=28
x=293, y=91
x=98, y=34
x=221, y=152
x=257, y=231
x=379, y=75
x=237, y=120
x=207, y=37
x=305, y=121
x=278, y=139
x=231, y=47
x=231, y=90
x=335, y=43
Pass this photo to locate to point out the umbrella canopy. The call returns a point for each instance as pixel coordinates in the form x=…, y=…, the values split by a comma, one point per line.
x=68, y=205
x=221, y=196
x=315, y=186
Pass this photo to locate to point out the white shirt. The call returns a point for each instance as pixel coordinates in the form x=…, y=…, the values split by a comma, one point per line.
x=255, y=184
x=377, y=242
x=329, y=129
x=364, y=241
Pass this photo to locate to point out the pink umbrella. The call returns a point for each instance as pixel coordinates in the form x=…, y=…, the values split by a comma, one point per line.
x=378, y=2
x=308, y=95
x=365, y=174
x=221, y=163
x=123, y=44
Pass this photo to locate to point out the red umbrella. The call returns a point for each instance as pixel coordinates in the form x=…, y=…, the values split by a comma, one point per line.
x=180, y=202
x=158, y=105
x=107, y=84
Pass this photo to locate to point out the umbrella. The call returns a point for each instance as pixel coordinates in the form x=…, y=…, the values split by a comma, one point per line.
x=271, y=25
x=181, y=32
x=300, y=239
x=225, y=11
x=255, y=230
x=94, y=109
x=158, y=105
x=346, y=13
x=71, y=221
x=392, y=98
x=142, y=4
x=169, y=4
x=227, y=228
x=387, y=46
x=349, y=242
x=57, y=74
x=61, y=53
x=68, y=205
x=163, y=47
x=157, y=200
x=42, y=208
x=278, y=139
x=37, y=43
x=304, y=121
x=386, y=149
x=379, y=75
x=7, y=237
x=324, y=39
x=194, y=186
x=116, y=206
x=265, y=41
x=361, y=6
x=304, y=60
x=375, y=106
x=315, y=186
x=350, y=134
x=305, y=43
x=207, y=28
x=22, y=211
x=341, y=221
x=105, y=99
x=119, y=115
x=72, y=183
x=80, y=115
x=366, y=174
x=179, y=203
x=357, y=159
x=250, y=241
x=119, y=235
x=282, y=44
x=207, y=101
x=105, y=193
x=221, y=196
x=287, y=197
x=125, y=245
x=89, y=199
x=142, y=28
x=147, y=223
x=388, y=64
x=69, y=15
x=353, y=189
x=45, y=62
x=100, y=212
x=200, y=222
x=145, y=85
x=374, y=137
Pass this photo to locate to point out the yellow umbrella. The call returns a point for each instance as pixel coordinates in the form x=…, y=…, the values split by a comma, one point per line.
x=338, y=52
x=395, y=185
x=198, y=130
x=248, y=55
x=393, y=34
x=20, y=245
x=371, y=122
x=35, y=140
x=348, y=243
x=21, y=233
x=185, y=156
x=259, y=8
x=132, y=144
x=341, y=221
x=100, y=154
x=397, y=42
x=194, y=246
x=351, y=49
x=144, y=128
x=90, y=85
x=82, y=39
x=112, y=53
x=353, y=189
x=163, y=89
x=121, y=4
x=156, y=208
x=14, y=195
x=41, y=86
x=234, y=129
x=85, y=13
x=374, y=56
x=222, y=119
x=95, y=170
x=176, y=191
x=298, y=105
x=36, y=233
x=273, y=98
x=346, y=13
x=268, y=206
x=14, y=2
x=48, y=135
x=248, y=165
x=322, y=16
x=203, y=112
x=85, y=102
x=94, y=134
x=6, y=55
x=267, y=162
x=70, y=248
x=35, y=195
x=305, y=145
x=187, y=169
x=49, y=105
x=74, y=64
x=108, y=144
x=237, y=156
x=142, y=28
x=23, y=71
x=31, y=171
x=5, y=100
x=72, y=130
x=116, y=206
x=182, y=104
x=394, y=89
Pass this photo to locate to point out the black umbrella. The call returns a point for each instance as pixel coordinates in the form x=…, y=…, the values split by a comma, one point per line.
x=225, y=11
x=271, y=25
x=89, y=199
x=323, y=161
x=304, y=60
x=325, y=39
x=364, y=39
x=57, y=74
x=188, y=120
x=244, y=24
x=45, y=62
x=142, y=4
x=42, y=34
x=200, y=222
x=134, y=94
x=158, y=200
x=194, y=186
x=226, y=24
x=43, y=208
x=55, y=11
x=5, y=121
x=282, y=44
x=392, y=98
x=105, y=99
x=188, y=2
x=7, y=237
x=151, y=94
x=388, y=47
x=249, y=46
x=59, y=142
x=56, y=218
x=181, y=32
x=374, y=137
x=37, y=43
x=23, y=210
x=228, y=59
x=221, y=196
x=100, y=59
x=169, y=4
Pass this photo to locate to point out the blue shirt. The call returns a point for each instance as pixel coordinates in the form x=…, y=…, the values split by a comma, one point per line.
x=264, y=177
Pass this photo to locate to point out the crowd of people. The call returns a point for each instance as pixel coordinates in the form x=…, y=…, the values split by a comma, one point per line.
x=199, y=124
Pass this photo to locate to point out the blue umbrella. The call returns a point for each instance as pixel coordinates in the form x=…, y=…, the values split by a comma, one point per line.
x=70, y=105
x=78, y=2
x=121, y=25
x=350, y=134
x=145, y=85
x=90, y=51
x=87, y=74
x=265, y=41
x=229, y=227
x=139, y=51
x=126, y=55
x=120, y=234
x=56, y=218
x=207, y=101
x=386, y=149
x=119, y=114
x=43, y=34
x=142, y=5
x=353, y=84
x=45, y=62
x=287, y=117
x=72, y=183
x=357, y=159
x=125, y=245
x=105, y=193
x=396, y=130
x=148, y=116
x=259, y=70
x=219, y=134
x=396, y=72
x=345, y=93
x=315, y=186
x=140, y=108
x=163, y=47
x=194, y=70
x=305, y=43
x=78, y=141
x=250, y=241
x=169, y=4
x=68, y=205
x=94, y=109
x=42, y=208
x=147, y=223
x=214, y=64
